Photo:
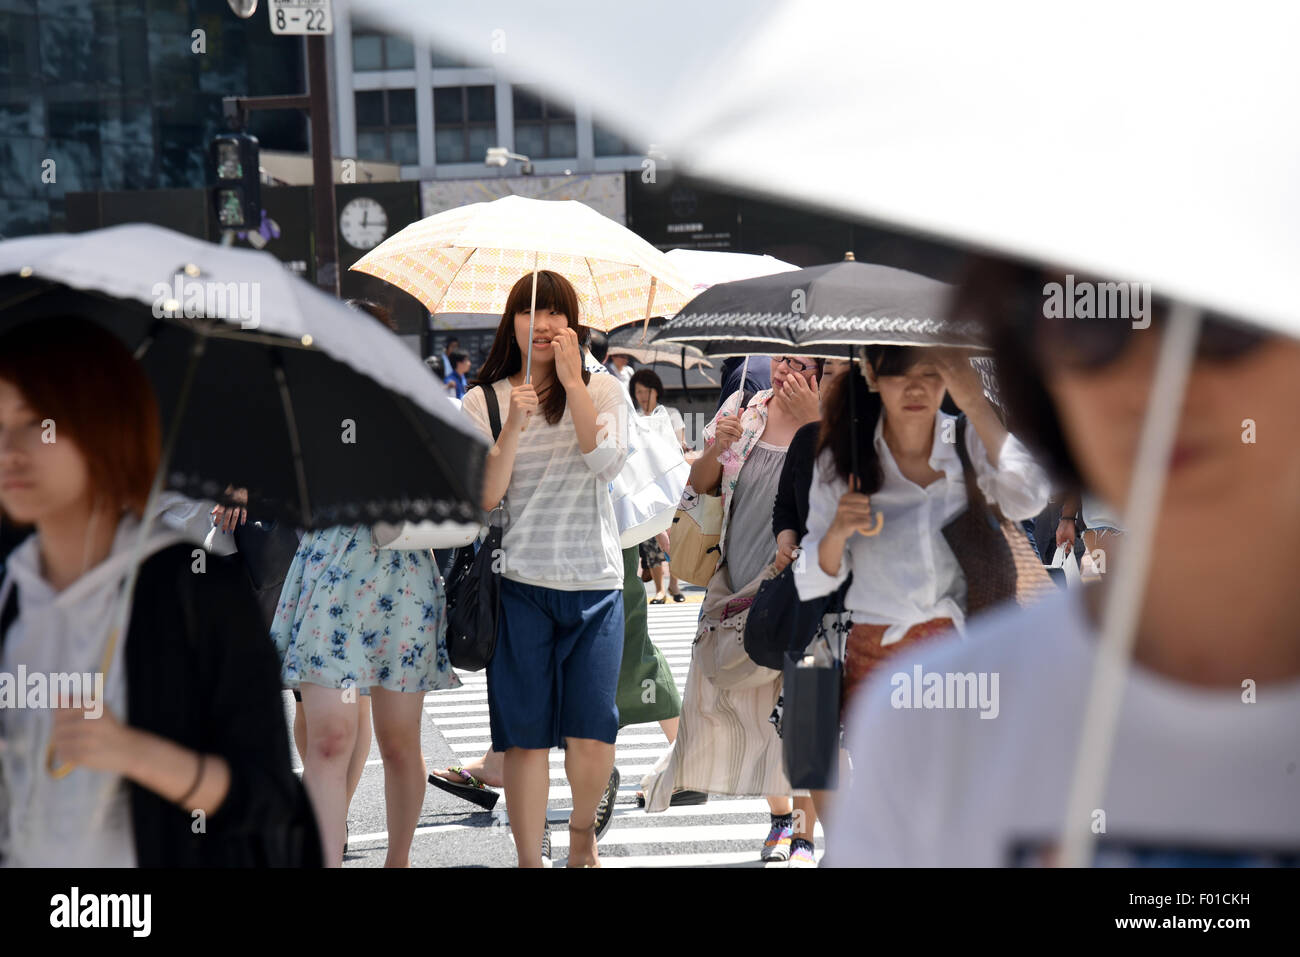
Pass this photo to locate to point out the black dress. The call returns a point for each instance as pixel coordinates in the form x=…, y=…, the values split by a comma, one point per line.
x=201, y=671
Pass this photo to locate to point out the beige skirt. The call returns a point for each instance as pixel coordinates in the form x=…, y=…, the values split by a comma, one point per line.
x=725, y=742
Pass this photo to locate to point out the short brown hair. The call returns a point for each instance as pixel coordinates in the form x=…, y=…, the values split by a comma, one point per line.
x=75, y=372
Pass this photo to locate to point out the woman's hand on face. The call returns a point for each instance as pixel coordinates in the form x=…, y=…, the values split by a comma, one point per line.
x=568, y=358
x=960, y=378
x=523, y=403
x=727, y=432
x=101, y=744
x=800, y=400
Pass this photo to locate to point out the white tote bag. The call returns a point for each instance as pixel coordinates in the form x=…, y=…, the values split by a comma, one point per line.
x=1064, y=559
x=646, y=492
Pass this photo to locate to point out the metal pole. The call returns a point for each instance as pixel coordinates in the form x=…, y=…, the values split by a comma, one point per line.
x=322, y=169
x=532, y=318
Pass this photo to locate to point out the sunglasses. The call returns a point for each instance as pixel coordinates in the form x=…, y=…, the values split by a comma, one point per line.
x=794, y=364
x=1089, y=345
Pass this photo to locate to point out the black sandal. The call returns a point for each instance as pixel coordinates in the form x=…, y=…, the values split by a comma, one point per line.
x=678, y=596
x=658, y=601
x=473, y=790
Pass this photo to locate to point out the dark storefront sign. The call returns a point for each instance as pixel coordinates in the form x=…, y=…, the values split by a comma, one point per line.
x=676, y=214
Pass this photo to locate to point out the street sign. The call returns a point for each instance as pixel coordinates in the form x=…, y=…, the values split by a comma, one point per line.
x=300, y=17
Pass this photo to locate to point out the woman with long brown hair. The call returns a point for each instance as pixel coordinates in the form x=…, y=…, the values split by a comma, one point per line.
x=553, y=678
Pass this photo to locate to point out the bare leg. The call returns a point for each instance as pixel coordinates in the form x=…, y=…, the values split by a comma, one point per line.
x=780, y=804
x=527, y=784
x=332, y=730
x=587, y=764
x=397, y=727
x=805, y=817
x=362, y=749
x=669, y=726
x=657, y=576
x=674, y=586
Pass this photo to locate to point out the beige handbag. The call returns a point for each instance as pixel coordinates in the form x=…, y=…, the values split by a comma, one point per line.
x=720, y=652
x=693, y=538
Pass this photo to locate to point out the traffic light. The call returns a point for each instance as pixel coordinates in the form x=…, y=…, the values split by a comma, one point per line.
x=237, y=197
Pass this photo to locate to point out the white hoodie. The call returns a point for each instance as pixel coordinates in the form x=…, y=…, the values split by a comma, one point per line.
x=84, y=819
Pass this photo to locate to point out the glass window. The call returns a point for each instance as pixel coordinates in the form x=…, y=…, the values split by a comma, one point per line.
x=401, y=107
x=372, y=145
x=398, y=53
x=609, y=143
x=543, y=129
x=446, y=61
x=404, y=147
x=465, y=123
x=367, y=51
x=370, y=108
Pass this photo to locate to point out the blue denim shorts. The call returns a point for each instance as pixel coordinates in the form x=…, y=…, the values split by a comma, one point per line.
x=554, y=674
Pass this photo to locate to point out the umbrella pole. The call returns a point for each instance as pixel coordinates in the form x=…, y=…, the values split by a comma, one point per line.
x=683, y=372
x=853, y=419
x=532, y=318
x=744, y=374
x=1123, y=601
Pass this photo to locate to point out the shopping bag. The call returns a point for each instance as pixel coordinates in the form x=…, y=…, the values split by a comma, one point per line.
x=810, y=722
x=646, y=491
x=1064, y=568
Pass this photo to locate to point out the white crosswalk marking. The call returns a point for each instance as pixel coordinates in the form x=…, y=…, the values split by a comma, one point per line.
x=725, y=832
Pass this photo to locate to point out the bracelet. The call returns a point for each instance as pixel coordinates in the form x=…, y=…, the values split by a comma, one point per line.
x=198, y=777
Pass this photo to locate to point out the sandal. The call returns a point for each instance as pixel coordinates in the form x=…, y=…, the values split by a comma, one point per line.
x=658, y=601
x=582, y=830
x=678, y=596
x=472, y=790
x=682, y=798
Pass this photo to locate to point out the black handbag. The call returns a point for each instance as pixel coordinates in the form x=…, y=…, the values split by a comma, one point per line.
x=779, y=623
x=810, y=723
x=474, y=584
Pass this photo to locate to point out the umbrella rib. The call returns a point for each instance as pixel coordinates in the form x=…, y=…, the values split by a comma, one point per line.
x=295, y=446
x=455, y=275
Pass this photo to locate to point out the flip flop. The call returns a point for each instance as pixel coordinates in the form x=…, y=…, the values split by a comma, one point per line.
x=473, y=790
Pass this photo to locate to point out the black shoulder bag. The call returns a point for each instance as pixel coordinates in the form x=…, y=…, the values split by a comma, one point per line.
x=474, y=583
x=779, y=623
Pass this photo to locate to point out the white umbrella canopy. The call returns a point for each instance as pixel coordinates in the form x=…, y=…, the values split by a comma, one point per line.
x=466, y=260
x=708, y=267
x=1142, y=142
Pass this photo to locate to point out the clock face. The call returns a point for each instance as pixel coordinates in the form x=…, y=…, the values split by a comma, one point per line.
x=363, y=223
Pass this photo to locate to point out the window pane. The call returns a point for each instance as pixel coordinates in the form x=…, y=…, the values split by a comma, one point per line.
x=370, y=108
x=367, y=51
x=528, y=140
x=558, y=111
x=404, y=146
x=482, y=104
x=609, y=143
x=401, y=107
x=400, y=54
x=527, y=106
x=447, y=106
x=563, y=140
x=446, y=61
x=372, y=146
x=450, y=145
x=480, y=138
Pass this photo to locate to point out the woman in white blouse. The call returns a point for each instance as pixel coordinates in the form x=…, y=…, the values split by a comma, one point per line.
x=888, y=531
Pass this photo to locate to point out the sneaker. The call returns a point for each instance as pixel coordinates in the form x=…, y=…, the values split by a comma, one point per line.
x=802, y=854
x=546, y=845
x=777, y=845
x=605, y=809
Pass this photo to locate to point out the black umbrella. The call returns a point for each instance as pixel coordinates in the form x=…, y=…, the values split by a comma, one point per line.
x=323, y=415
x=827, y=311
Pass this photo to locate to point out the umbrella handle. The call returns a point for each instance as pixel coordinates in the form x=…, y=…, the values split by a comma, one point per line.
x=532, y=317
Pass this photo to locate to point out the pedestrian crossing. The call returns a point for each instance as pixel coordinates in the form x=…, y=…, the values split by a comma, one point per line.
x=724, y=832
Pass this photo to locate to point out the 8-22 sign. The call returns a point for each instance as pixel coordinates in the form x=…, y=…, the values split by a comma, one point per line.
x=300, y=17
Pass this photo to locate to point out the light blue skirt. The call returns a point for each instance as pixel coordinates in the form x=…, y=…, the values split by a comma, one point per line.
x=353, y=615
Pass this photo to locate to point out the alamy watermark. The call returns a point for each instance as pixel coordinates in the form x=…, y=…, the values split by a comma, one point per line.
x=947, y=690
x=1098, y=300
x=193, y=298
x=65, y=689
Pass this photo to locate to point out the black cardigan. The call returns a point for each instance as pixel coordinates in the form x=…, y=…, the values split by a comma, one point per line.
x=791, y=507
x=202, y=672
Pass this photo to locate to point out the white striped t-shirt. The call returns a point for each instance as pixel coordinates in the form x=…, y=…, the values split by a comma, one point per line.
x=561, y=531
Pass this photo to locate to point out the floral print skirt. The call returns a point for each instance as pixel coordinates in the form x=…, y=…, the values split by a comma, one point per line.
x=354, y=615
